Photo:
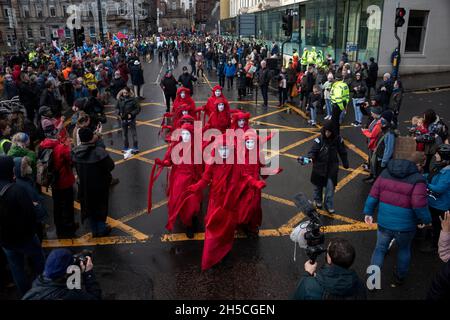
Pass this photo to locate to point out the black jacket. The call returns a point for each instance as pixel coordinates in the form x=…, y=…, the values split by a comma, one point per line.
x=265, y=76
x=241, y=78
x=187, y=80
x=46, y=289
x=324, y=153
x=361, y=89
x=48, y=99
x=440, y=287
x=372, y=74
x=94, y=166
x=126, y=106
x=29, y=96
x=17, y=218
x=385, y=95
x=137, y=75
x=169, y=86
x=116, y=86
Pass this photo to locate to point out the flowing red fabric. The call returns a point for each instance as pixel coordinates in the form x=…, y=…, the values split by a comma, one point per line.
x=227, y=185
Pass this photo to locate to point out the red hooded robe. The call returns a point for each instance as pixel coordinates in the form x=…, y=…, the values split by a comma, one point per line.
x=180, y=204
x=227, y=184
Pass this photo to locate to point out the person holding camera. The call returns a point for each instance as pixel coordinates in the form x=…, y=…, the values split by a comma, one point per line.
x=335, y=280
x=52, y=284
x=324, y=154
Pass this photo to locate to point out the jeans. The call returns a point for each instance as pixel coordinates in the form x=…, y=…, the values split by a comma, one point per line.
x=63, y=212
x=329, y=107
x=403, y=240
x=132, y=125
x=16, y=260
x=282, y=95
x=97, y=226
x=168, y=98
x=356, y=106
x=329, y=194
x=265, y=94
x=313, y=113
x=436, y=223
x=208, y=65
x=222, y=81
x=336, y=117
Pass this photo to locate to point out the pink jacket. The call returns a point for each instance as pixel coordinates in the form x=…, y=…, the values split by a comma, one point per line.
x=444, y=246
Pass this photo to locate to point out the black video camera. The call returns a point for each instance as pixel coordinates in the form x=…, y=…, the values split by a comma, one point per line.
x=81, y=257
x=313, y=235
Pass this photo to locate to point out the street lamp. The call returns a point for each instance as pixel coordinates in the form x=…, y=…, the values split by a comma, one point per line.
x=134, y=21
x=100, y=20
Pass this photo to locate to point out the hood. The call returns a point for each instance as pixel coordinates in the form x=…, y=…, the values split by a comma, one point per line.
x=88, y=153
x=400, y=168
x=217, y=88
x=183, y=89
x=338, y=281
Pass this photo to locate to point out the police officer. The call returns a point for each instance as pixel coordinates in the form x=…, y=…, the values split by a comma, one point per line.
x=339, y=96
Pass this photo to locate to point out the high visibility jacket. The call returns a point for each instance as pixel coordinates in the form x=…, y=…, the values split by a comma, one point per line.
x=2, y=143
x=312, y=56
x=340, y=94
x=304, y=60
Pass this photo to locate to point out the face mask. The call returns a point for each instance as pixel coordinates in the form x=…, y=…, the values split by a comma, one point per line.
x=220, y=107
x=224, y=152
x=250, y=144
x=185, y=136
x=241, y=123
x=183, y=95
x=218, y=93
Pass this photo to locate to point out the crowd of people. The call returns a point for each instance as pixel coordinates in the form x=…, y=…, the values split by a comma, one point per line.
x=41, y=149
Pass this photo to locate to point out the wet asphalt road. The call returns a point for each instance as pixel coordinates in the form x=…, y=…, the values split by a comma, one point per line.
x=137, y=261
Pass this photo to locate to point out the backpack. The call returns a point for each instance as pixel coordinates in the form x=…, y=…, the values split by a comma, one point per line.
x=46, y=174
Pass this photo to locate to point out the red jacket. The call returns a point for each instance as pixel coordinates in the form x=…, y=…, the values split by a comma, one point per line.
x=63, y=162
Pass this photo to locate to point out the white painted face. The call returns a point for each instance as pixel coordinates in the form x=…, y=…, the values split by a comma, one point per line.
x=220, y=107
x=218, y=93
x=241, y=123
x=224, y=152
x=184, y=112
x=183, y=95
x=250, y=144
x=185, y=135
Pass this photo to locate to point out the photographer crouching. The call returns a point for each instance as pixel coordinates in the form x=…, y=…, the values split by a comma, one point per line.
x=335, y=280
x=53, y=284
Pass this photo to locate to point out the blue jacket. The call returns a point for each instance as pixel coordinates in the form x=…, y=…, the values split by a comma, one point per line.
x=389, y=144
x=230, y=71
x=440, y=185
x=401, y=196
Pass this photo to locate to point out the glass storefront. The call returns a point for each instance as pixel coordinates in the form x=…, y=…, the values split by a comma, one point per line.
x=333, y=26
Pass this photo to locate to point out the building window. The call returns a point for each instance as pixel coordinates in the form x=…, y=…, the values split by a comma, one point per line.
x=52, y=12
x=39, y=11
x=92, y=32
x=26, y=11
x=42, y=32
x=29, y=33
x=415, y=37
x=6, y=12
x=64, y=8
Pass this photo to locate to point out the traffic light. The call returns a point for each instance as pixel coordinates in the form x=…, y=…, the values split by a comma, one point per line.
x=288, y=21
x=400, y=17
x=79, y=37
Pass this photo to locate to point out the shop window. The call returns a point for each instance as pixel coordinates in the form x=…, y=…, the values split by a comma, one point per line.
x=415, y=36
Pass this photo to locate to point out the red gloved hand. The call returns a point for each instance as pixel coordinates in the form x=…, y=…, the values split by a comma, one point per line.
x=158, y=162
x=260, y=184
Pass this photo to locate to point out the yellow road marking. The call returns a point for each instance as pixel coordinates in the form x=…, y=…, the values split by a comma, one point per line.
x=298, y=143
x=268, y=114
x=127, y=229
x=282, y=231
x=348, y=178
x=349, y=145
x=294, y=220
x=58, y=243
x=312, y=130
